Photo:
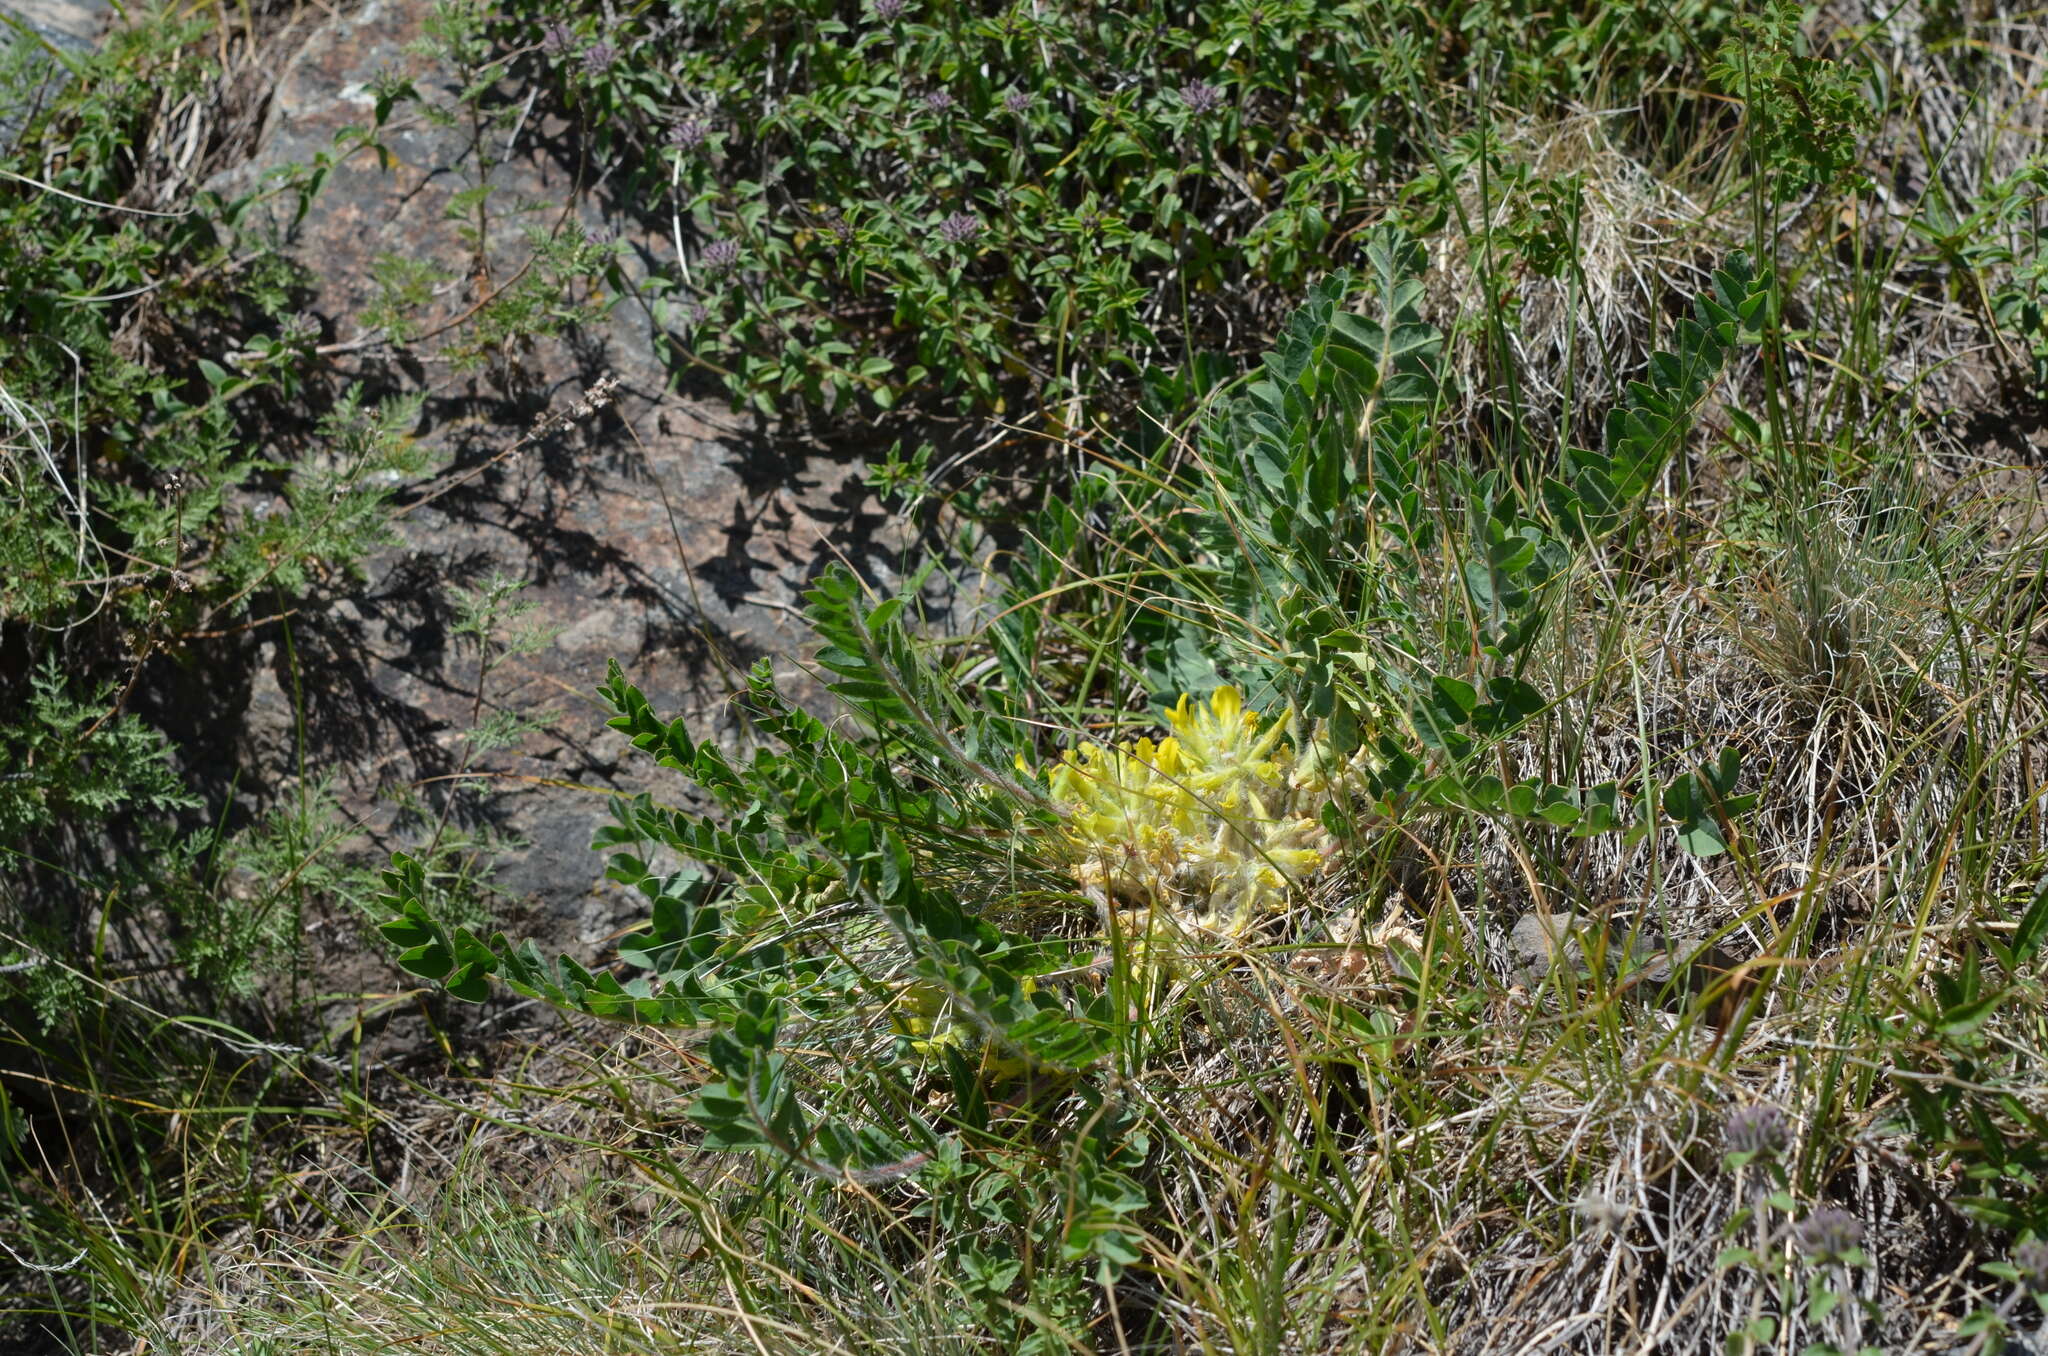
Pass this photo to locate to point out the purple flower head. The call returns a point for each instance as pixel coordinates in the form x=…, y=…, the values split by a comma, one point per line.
x=2030, y=1259
x=1201, y=97
x=1018, y=102
x=959, y=228
x=599, y=58
x=556, y=40
x=688, y=134
x=938, y=101
x=1760, y=1130
x=1829, y=1234
x=693, y=315
x=888, y=10
x=721, y=254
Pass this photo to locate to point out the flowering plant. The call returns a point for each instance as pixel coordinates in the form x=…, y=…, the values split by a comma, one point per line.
x=1212, y=827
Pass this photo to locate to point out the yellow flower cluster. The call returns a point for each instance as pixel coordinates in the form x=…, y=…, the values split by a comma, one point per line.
x=1212, y=826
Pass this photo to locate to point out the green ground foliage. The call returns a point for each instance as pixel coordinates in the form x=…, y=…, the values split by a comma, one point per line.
x=151, y=504
x=1492, y=803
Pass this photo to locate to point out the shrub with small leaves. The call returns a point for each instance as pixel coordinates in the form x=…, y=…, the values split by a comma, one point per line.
x=1148, y=181
x=149, y=509
x=1803, y=112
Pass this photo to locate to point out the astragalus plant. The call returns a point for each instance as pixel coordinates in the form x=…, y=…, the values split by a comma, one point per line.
x=1066, y=1027
x=1352, y=890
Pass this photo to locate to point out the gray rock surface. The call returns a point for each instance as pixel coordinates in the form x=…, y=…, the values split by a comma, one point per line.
x=71, y=24
x=42, y=25
x=665, y=532
x=1543, y=943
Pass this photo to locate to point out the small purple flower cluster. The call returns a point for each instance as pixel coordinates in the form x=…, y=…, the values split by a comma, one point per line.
x=556, y=40
x=688, y=133
x=721, y=254
x=938, y=101
x=959, y=228
x=1018, y=102
x=1829, y=1234
x=599, y=59
x=1761, y=1130
x=1201, y=97
x=888, y=10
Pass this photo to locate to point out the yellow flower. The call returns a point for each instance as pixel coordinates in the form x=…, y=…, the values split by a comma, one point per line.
x=1213, y=826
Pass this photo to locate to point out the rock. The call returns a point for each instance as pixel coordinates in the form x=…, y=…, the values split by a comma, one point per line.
x=67, y=26
x=663, y=532
x=607, y=631
x=71, y=24
x=1541, y=943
